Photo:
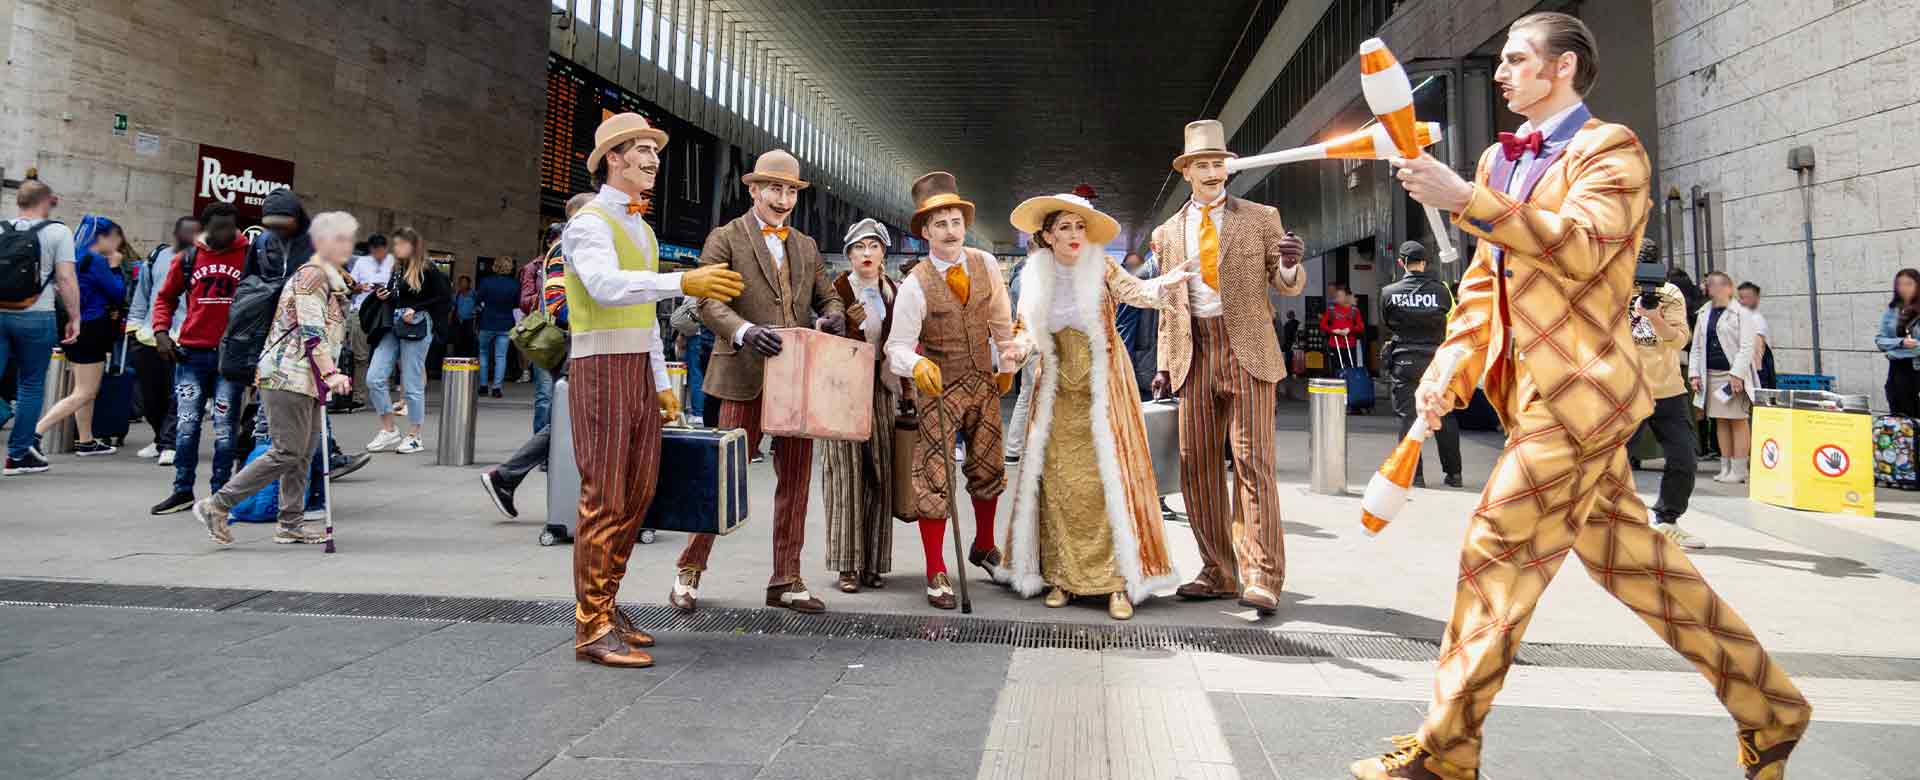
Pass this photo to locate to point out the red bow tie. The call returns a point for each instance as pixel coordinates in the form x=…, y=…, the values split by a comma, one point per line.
x=1516, y=145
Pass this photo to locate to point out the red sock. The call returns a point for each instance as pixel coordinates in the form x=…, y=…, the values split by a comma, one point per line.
x=933, y=531
x=983, y=511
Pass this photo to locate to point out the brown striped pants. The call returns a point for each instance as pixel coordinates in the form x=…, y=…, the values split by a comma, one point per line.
x=793, y=475
x=1221, y=402
x=616, y=443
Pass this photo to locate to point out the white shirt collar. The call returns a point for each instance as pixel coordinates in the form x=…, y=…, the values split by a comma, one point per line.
x=1553, y=123
x=614, y=200
x=761, y=222
x=943, y=265
x=853, y=278
x=1196, y=205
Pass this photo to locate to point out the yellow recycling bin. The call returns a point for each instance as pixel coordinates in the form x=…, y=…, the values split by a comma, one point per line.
x=1810, y=454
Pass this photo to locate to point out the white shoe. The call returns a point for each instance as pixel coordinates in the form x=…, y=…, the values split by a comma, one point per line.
x=409, y=446
x=1737, y=474
x=1680, y=536
x=165, y=459
x=149, y=451
x=385, y=441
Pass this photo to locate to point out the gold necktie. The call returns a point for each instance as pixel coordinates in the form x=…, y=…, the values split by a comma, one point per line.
x=779, y=231
x=1209, y=249
x=957, y=281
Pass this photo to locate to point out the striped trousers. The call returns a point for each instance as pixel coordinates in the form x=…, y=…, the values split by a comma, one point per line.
x=616, y=443
x=1550, y=495
x=1240, y=540
x=793, y=475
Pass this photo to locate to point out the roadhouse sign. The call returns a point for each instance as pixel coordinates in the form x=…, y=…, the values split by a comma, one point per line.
x=241, y=179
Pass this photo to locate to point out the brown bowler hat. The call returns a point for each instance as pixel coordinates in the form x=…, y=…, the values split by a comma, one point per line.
x=776, y=166
x=935, y=191
x=1205, y=138
x=619, y=129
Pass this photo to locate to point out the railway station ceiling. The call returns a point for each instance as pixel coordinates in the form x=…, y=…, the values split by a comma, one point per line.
x=1019, y=98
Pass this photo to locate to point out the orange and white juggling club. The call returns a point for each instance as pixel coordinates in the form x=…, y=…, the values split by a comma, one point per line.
x=1390, y=97
x=1387, y=492
x=1371, y=143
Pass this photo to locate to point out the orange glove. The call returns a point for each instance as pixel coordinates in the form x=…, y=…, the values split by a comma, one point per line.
x=926, y=376
x=1004, y=382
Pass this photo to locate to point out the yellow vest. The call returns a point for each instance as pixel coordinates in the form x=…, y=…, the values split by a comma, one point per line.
x=599, y=329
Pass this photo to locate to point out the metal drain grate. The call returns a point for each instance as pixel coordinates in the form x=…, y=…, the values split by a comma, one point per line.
x=924, y=628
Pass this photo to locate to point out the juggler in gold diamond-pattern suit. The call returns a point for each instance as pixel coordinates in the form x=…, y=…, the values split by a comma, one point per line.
x=1541, y=322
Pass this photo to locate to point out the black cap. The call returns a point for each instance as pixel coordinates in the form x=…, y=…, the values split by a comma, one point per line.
x=1412, y=251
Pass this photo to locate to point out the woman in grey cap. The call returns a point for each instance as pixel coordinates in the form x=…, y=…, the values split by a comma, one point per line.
x=858, y=476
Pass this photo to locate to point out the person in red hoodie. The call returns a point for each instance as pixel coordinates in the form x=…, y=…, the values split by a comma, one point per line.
x=208, y=274
x=1345, y=328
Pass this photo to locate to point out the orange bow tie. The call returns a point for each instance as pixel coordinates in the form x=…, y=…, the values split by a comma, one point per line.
x=779, y=231
x=639, y=207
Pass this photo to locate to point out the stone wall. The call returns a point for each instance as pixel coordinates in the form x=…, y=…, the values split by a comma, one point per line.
x=404, y=112
x=1740, y=83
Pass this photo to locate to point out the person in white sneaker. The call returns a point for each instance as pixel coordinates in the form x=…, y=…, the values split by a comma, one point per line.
x=419, y=295
x=1722, y=375
x=1658, y=319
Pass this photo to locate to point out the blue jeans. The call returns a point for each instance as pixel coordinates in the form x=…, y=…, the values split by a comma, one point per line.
x=196, y=379
x=542, y=398
x=26, y=340
x=493, y=357
x=696, y=360
x=413, y=375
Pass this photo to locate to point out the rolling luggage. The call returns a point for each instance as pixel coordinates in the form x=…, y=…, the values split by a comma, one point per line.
x=702, y=487
x=906, y=433
x=1163, y=443
x=1359, y=383
x=820, y=386
x=1893, y=447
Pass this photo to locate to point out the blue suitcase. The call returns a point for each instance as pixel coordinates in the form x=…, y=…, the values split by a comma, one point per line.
x=1359, y=382
x=702, y=486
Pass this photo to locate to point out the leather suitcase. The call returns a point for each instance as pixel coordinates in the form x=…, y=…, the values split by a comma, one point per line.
x=906, y=433
x=820, y=386
x=1163, y=443
x=703, y=481
x=702, y=486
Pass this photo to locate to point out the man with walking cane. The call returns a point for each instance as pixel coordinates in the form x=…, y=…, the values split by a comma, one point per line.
x=950, y=320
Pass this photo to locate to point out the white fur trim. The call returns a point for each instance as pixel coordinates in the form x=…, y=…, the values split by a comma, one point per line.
x=1036, y=303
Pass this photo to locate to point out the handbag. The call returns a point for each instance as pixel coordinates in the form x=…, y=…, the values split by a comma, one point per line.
x=543, y=342
x=412, y=331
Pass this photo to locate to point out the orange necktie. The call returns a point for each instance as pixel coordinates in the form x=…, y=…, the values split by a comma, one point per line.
x=779, y=231
x=1209, y=249
x=957, y=281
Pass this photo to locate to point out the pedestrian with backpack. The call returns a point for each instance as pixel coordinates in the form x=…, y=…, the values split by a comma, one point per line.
x=36, y=271
x=155, y=372
x=102, y=290
x=205, y=275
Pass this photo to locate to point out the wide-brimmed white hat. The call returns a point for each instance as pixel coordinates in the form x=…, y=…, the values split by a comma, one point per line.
x=1031, y=212
x=619, y=129
x=866, y=228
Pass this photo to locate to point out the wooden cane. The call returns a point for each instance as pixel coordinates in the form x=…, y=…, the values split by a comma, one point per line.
x=953, y=502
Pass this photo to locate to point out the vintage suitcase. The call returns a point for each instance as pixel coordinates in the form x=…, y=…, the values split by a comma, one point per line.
x=1163, y=443
x=906, y=433
x=820, y=386
x=702, y=486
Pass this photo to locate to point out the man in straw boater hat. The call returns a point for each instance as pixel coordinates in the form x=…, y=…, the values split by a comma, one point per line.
x=1560, y=208
x=618, y=375
x=785, y=288
x=1219, y=354
x=950, y=318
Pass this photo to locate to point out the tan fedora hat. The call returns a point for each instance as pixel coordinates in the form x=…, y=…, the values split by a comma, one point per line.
x=776, y=166
x=1032, y=212
x=935, y=191
x=1205, y=138
x=619, y=129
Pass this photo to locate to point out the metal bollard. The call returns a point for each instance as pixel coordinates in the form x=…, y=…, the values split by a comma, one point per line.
x=459, y=384
x=677, y=379
x=1327, y=417
x=59, y=385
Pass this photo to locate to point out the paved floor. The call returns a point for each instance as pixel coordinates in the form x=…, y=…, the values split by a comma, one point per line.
x=100, y=692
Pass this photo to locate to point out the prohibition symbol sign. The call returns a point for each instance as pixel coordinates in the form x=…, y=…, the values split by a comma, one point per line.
x=1831, y=460
x=1770, y=453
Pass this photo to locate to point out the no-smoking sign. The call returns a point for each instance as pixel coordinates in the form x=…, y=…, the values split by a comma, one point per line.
x=1770, y=453
x=1831, y=460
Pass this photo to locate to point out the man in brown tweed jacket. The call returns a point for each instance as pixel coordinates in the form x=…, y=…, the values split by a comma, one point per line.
x=785, y=288
x=1219, y=354
x=1559, y=208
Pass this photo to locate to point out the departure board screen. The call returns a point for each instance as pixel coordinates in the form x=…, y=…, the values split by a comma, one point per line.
x=577, y=102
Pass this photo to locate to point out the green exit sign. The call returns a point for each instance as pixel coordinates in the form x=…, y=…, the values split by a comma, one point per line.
x=119, y=124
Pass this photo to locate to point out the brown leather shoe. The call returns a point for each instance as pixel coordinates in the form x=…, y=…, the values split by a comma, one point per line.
x=1767, y=764
x=1260, y=599
x=632, y=636
x=849, y=582
x=1199, y=590
x=1408, y=761
x=940, y=592
x=986, y=558
x=794, y=596
x=608, y=650
x=686, y=592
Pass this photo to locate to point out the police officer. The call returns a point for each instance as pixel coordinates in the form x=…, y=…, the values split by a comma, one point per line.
x=1415, y=310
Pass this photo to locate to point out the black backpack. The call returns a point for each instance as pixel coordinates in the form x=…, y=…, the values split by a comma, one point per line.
x=20, y=280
